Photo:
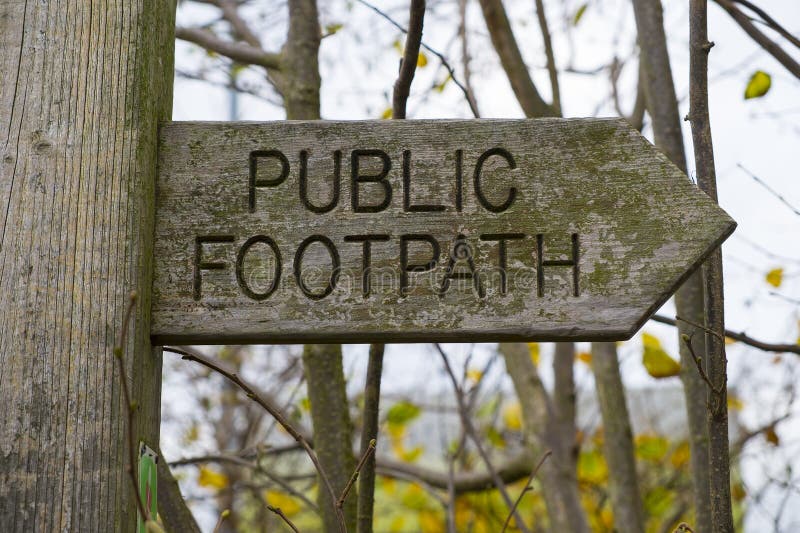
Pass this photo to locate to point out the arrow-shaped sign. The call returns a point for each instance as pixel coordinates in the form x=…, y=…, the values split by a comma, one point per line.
x=475, y=230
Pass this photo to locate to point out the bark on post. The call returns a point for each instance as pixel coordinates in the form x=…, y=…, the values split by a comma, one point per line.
x=83, y=91
x=662, y=104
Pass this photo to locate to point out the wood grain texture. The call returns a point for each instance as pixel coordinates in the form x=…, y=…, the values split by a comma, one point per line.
x=84, y=84
x=641, y=228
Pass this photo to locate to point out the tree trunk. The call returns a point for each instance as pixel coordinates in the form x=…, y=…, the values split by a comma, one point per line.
x=626, y=500
x=332, y=428
x=83, y=90
x=662, y=105
x=511, y=58
x=716, y=362
x=330, y=413
x=560, y=487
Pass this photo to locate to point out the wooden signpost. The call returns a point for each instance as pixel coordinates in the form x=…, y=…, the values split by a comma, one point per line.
x=399, y=231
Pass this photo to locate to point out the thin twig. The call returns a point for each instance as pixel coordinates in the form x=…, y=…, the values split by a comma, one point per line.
x=772, y=191
x=473, y=434
x=119, y=351
x=285, y=518
x=771, y=22
x=759, y=37
x=465, y=57
x=528, y=487
x=222, y=516
x=687, y=339
x=737, y=336
x=364, y=458
x=274, y=412
x=552, y=70
x=442, y=58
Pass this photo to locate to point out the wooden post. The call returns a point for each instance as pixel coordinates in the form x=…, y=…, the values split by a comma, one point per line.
x=84, y=86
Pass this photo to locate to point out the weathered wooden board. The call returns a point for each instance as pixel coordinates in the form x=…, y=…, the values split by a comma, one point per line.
x=467, y=230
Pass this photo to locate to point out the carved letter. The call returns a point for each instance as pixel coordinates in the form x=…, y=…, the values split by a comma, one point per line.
x=199, y=264
x=255, y=181
x=512, y=192
x=337, y=174
x=574, y=263
x=405, y=267
x=502, y=262
x=258, y=296
x=366, y=257
x=407, y=189
x=335, y=266
x=461, y=252
x=357, y=179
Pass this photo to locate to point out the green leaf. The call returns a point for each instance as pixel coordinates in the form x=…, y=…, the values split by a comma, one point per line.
x=579, y=14
x=758, y=86
x=330, y=29
x=402, y=413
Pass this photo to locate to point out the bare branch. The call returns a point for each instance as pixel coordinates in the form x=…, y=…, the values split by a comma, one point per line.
x=364, y=458
x=465, y=57
x=511, y=58
x=551, y=59
x=771, y=22
x=130, y=407
x=765, y=42
x=239, y=52
x=369, y=432
x=772, y=191
x=285, y=518
x=274, y=412
x=469, y=429
x=435, y=52
x=740, y=336
x=528, y=487
x=408, y=65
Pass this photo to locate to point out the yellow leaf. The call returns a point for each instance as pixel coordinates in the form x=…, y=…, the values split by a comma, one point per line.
x=387, y=113
x=775, y=277
x=651, y=447
x=409, y=456
x=584, y=357
x=211, y=478
x=738, y=492
x=735, y=403
x=474, y=374
x=772, y=436
x=192, y=434
x=592, y=467
x=398, y=524
x=729, y=341
x=512, y=416
x=495, y=438
x=282, y=501
x=533, y=348
x=431, y=522
x=758, y=86
x=681, y=455
x=397, y=45
x=439, y=87
x=422, y=60
x=657, y=362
